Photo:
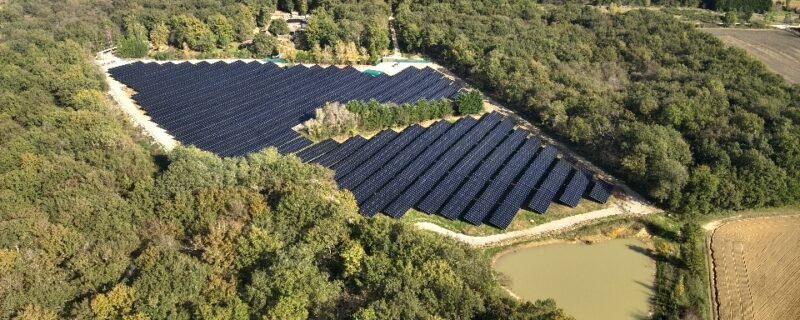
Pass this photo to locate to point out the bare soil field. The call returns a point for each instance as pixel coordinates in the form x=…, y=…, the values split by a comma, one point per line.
x=778, y=49
x=757, y=268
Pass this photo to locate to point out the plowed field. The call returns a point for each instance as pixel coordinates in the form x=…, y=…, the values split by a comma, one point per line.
x=778, y=49
x=757, y=268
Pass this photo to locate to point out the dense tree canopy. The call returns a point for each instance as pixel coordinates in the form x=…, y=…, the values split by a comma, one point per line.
x=669, y=108
x=98, y=223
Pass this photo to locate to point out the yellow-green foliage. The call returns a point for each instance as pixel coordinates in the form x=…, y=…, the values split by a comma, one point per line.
x=96, y=223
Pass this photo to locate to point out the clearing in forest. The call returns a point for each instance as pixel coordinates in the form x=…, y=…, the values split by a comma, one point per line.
x=757, y=268
x=778, y=49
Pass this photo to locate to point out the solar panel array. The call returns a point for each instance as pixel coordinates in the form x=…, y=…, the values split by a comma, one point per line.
x=237, y=108
x=481, y=171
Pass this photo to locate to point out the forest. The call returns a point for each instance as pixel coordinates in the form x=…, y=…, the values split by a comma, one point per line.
x=341, y=32
x=751, y=6
x=692, y=124
x=99, y=223
x=96, y=222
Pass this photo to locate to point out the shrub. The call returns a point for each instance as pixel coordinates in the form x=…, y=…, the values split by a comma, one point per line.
x=373, y=115
x=366, y=116
x=331, y=120
x=132, y=48
x=278, y=27
x=265, y=45
x=470, y=103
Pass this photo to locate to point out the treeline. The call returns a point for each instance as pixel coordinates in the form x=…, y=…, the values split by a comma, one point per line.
x=357, y=116
x=340, y=32
x=364, y=24
x=759, y=6
x=751, y=6
x=173, y=31
x=682, y=287
x=97, y=224
x=643, y=3
x=692, y=124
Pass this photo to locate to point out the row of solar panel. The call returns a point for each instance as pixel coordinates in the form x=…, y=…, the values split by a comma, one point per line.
x=478, y=171
x=238, y=108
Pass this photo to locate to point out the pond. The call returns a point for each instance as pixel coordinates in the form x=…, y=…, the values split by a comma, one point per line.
x=607, y=280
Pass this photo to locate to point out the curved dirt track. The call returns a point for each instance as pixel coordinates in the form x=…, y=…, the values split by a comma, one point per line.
x=627, y=207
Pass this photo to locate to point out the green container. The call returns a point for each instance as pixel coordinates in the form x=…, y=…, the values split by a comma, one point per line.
x=373, y=73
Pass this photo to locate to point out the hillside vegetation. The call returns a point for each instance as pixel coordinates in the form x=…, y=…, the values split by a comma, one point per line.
x=340, y=32
x=691, y=123
x=95, y=223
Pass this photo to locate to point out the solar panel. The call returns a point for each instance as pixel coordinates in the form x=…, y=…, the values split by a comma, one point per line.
x=365, y=152
x=401, y=182
x=432, y=175
x=600, y=191
x=515, y=199
x=434, y=200
x=237, y=108
x=471, y=169
x=547, y=190
x=575, y=189
x=502, y=181
x=376, y=161
x=344, y=150
x=311, y=153
x=457, y=204
x=390, y=169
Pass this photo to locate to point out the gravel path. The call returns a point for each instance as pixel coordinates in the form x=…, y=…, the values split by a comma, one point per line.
x=627, y=207
x=118, y=91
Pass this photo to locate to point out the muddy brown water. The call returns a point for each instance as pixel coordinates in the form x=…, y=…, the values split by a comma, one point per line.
x=607, y=280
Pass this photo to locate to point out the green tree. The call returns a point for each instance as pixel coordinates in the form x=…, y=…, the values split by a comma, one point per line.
x=132, y=48
x=221, y=28
x=159, y=36
x=135, y=43
x=279, y=27
x=301, y=6
x=731, y=18
x=470, y=102
x=286, y=5
x=693, y=248
x=376, y=40
x=115, y=304
x=245, y=23
x=700, y=191
x=265, y=45
x=192, y=32
x=322, y=29
x=135, y=30
x=265, y=15
x=353, y=256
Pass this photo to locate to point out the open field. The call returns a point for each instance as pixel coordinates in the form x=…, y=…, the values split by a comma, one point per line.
x=756, y=268
x=778, y=49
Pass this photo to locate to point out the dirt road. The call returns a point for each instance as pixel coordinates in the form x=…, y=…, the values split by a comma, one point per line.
x=627, y=207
